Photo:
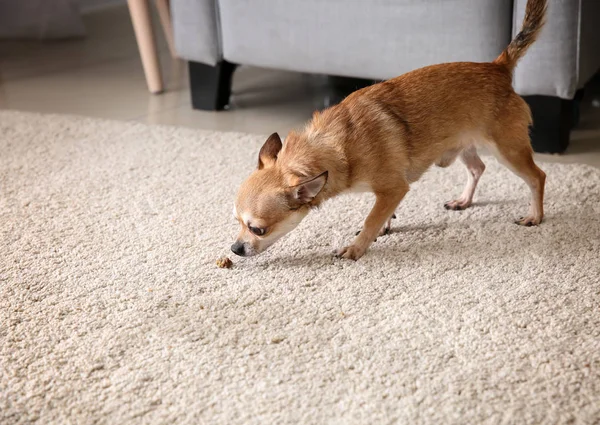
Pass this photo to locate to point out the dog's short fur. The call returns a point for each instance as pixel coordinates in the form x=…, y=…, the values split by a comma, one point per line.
x=384, y=137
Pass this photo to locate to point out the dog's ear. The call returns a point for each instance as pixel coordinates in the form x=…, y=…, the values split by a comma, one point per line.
x=269, y=151
x=306, y=191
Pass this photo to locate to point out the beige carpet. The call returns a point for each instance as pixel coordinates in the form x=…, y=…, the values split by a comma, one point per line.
x=112, y=310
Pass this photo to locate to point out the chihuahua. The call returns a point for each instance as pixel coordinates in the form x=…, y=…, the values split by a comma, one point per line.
x=382, y=138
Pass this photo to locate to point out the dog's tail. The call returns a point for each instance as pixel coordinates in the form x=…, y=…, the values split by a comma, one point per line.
x=535, y=15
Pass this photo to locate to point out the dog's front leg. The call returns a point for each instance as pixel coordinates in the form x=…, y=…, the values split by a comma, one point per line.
x=385, y=205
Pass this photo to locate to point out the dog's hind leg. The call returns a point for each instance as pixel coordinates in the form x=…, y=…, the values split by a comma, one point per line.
x=517, y=156
x=475, y=168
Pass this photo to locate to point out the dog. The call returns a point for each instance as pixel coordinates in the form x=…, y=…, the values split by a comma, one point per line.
x=382, y=138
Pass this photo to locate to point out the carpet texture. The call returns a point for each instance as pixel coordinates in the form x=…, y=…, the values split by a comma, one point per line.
x=112, y=309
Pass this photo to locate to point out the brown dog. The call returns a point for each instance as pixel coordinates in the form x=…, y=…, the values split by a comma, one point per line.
x=384, y=137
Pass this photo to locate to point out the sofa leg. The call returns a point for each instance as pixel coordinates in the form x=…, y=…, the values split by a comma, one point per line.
x=340, y=87
x=210, y=85
x=553, y=119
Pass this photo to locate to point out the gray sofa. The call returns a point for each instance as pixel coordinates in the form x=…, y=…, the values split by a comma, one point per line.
x=379, y=39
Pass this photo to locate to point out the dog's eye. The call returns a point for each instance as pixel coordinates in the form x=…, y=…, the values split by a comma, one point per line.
x=257, y=230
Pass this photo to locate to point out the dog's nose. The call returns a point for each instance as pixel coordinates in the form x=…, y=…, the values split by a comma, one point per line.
x=238, y=249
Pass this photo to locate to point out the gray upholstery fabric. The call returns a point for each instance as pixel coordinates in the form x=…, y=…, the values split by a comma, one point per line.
x=375, y=39
x=589, y=50
x=551, y=65
x=195, y=26
x=384, y=38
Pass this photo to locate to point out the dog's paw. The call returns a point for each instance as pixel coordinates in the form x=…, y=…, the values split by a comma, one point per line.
x=385, y=230
x=351, y=252
x=457, y=205
x=528, y=221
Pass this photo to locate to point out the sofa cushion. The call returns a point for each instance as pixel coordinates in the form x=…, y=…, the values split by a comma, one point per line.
x=362, y=38
x=195, y=27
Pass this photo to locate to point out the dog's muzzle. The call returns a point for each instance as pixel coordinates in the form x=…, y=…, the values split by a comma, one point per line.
x=238, y=248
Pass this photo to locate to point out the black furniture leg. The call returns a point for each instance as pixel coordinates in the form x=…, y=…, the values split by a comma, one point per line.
x=210, y=85
x=553, y=119
x=340, y=87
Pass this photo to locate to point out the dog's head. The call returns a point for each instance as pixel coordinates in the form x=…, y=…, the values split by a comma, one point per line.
x=272, y=201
